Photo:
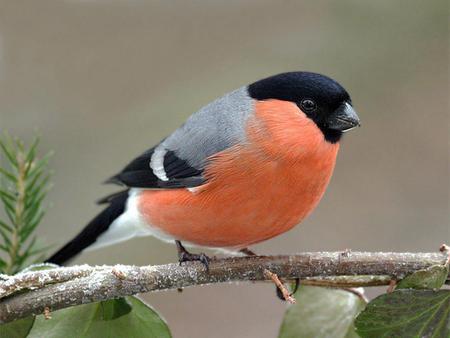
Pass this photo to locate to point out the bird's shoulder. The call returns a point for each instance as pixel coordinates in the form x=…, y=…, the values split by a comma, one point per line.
x=179, y=160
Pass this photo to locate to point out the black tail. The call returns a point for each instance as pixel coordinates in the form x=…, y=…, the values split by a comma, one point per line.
x=94, y=229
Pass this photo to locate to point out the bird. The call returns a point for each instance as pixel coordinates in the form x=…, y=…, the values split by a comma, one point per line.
x=243, y=169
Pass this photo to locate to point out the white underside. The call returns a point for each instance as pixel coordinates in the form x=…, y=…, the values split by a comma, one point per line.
x=128, y=225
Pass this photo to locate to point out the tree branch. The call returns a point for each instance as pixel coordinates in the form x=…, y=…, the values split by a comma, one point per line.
x=68, y=286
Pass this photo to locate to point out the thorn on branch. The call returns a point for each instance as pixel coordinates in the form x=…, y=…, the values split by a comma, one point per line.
x=444, y=248
x=284, y=291
x=391, y=286
x=346, y=253
x=118, y=273
x=47, y=313
x=359, y=292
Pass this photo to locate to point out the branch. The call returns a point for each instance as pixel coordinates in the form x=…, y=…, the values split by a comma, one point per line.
x=68, y=286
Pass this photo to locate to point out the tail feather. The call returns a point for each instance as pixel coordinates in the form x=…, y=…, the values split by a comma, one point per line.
x=93, y=230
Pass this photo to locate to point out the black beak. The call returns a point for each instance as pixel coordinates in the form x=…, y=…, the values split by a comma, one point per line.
x=344, y=118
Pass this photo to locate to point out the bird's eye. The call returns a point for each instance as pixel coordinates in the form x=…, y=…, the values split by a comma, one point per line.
x=308, y=105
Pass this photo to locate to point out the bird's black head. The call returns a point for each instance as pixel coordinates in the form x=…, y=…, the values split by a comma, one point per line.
x=322, y=99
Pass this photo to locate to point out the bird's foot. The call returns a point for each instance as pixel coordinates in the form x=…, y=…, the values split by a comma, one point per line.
x=186, y=256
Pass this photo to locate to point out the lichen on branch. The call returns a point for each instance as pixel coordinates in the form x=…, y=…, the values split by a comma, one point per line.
x=31, y=292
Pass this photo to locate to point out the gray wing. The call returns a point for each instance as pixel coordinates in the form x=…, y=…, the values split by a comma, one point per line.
x=179, y=160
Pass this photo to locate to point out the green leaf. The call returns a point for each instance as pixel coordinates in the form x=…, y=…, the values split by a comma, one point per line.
x=29, y=227
x=3, y=265
x=21, y=258
x=31, y=154
x=9, y=209
x=39, y=267
x=352, y=332
x=115, y=309
x=25, y=183
x=38, y=166
x=5, y=237
x=7, y=195
x=406, y=313
x=30, y=251
x=9, y=152
x=8, y=206
x=32, y=191
x=30, y=183
x=431, y=278
x=32, y=205
x=129, y=318
x=19, y=143
x=5, y=226
x=17, y=329
x=8, y=175
x=321, y=312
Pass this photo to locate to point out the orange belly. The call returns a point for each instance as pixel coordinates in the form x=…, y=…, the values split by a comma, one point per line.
x=250, y=196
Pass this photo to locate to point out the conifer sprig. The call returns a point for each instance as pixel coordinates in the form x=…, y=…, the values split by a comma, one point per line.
x=24, y=184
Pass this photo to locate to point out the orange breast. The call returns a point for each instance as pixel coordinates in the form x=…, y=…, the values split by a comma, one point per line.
x=256, y=190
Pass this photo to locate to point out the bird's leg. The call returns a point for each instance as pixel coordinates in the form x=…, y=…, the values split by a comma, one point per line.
x=186, y=256
x=281, y=290
x=247, y=252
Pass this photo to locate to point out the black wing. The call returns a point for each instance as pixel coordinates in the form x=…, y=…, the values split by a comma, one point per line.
x=139, y=174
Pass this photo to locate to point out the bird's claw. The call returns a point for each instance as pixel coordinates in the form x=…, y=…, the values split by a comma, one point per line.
x=186, y=256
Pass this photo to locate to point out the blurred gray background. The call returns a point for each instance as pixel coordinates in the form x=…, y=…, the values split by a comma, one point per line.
x=102, y=81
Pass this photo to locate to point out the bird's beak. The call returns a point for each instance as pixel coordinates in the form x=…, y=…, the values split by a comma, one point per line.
x=344, y=118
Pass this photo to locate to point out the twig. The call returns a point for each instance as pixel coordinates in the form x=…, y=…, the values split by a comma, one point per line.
x=444, y=248
x=391, y=287
x=348, y=281
x=359, y=292
x=38, y=279
x=284, y=291
x=47, y=313
x=68, y=286
x=274, y=277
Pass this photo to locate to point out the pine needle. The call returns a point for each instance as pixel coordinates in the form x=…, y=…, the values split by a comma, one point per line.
x=24, y=183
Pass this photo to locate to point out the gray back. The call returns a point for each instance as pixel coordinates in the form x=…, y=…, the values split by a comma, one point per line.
x=215, y=127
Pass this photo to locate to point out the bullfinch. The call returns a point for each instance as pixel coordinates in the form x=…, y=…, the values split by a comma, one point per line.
x=243, y=169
